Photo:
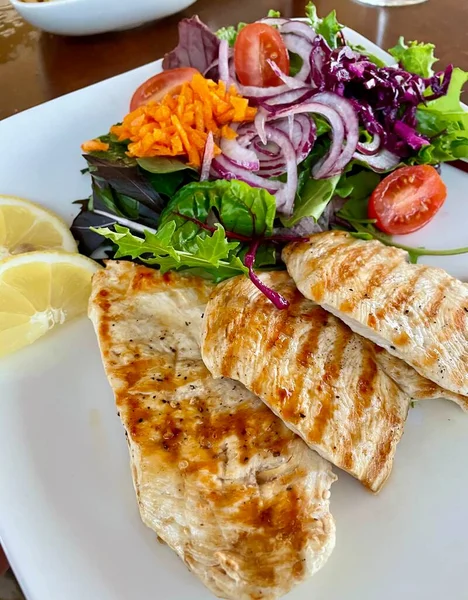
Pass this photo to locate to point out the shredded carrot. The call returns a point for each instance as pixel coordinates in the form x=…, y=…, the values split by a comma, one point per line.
x=179, y=125
x=94, y=146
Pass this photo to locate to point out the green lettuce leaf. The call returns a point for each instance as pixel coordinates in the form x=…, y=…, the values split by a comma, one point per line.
x=372, y=57
x=241, y=209
x=435, y=116
x=230, y=33
x=328, y=27
x=415, y=57
x=163, y=164
x=315, y=196
x=358, y=185
x=445, y=121
x=452, y=145
x=213, y=254
x=295, y=63
x=186, y=240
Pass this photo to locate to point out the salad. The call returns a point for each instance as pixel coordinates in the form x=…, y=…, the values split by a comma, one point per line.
x=264, y=133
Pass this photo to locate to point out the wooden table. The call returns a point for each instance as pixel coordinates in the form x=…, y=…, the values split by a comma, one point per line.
x=36, y=67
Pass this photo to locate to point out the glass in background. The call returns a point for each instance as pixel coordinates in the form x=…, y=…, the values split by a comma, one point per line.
x=391, y=2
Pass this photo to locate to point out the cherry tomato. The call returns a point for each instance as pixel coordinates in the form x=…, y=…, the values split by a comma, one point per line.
x=407, y=199
x=155, y=88
x=255, y=44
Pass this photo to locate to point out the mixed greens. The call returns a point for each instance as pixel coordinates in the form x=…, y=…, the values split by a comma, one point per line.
x=324, y=136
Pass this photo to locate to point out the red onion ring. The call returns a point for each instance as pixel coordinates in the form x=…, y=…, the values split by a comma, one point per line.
x=381, y=162
x=291, y=82
x=223, y=62
x=370, y=148
x=260, y=120
x=208, y=155
x=298, y=28
x=286, y=196
x=351, y=124
x=227, y=169
x=287, y=99
x=238, y=154
x=302, y=48
x=252, y=91
x=323, y=167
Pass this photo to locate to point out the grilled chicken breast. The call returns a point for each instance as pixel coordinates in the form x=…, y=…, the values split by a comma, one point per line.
x=311, y=370
x=411, y=382
x=417, y=313
x=240, y=498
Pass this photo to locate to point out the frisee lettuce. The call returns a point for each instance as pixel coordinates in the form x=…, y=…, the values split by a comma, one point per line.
x=213, y=255
x=185, y=240
x=328, y=27
x=415, y=57
x=230, y=33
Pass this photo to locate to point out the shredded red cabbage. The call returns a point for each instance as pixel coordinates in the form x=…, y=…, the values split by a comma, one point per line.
x=277, y=299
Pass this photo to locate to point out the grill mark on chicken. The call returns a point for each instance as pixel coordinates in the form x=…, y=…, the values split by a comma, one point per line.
x=319, y=377
x=459, y=318
x=406, y=294
x=218, y=476
x=431, y=310
x=366, y=391
x=291, y=408
x=347, y=270
x=327, y=391
x=235, y=346
x=416, y=312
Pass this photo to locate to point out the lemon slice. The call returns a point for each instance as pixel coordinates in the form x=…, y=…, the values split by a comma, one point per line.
x=25, y=226
x=39, y=290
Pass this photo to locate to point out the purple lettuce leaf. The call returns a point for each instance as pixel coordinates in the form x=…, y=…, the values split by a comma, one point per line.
x=197, y=48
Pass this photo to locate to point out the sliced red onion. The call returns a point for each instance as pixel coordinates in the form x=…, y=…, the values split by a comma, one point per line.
x=302, y=135
x=246, y=134
x=287, y=99
x=243, y=157
x=309, y=134
x=271, y=172
x=381, y=162
x=286, y=196
x=223, y=64
x=207, y=158
x=273, y=21
x=266, y=151
x=260, y=119
x=290, y=125
x=299, y=28
x=252, y=91
x=302, y=48
x=229, y=170
x=291, y=82
x=351, y=124
x=370, y=148
x=324, y=166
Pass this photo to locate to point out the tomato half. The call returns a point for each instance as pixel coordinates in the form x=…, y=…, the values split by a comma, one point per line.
x=255, y=44
x=407, y=199
x=155, y=88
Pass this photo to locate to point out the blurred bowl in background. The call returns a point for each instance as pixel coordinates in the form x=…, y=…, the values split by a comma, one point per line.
x=86, y=17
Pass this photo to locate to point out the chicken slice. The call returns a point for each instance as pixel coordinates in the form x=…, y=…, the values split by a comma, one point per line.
x=240, y=498
x=417, y=313
x=411, y=382
x=311, y=370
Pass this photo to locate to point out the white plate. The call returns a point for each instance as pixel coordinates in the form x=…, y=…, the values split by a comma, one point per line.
x=68, y=515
